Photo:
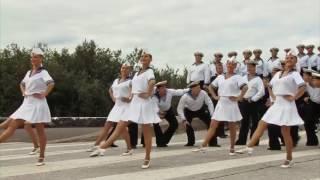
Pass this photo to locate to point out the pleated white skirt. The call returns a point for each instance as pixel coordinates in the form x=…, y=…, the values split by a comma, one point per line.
x=33, y=110
x=142, y=111
x=227, y=110
x=282, y=113
x=118, y=111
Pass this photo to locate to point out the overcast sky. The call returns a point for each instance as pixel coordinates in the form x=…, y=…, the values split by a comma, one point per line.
x=170, y=29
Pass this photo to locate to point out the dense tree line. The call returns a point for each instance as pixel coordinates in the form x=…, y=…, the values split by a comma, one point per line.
x=82, y=78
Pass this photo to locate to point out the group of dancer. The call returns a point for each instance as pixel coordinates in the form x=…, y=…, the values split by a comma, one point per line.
x=260, y=94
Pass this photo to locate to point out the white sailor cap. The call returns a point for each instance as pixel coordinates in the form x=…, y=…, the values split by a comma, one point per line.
x=257, y=51
x=274, y=49
x=161, y=83
x=232, y=60
x=287, y=49
x=316, y=75
x=232, y=53
x=218, y=54
x=308, y=71
x=37, y=51
x=252, y=62
x=300, y=46
x=247, y=51
x=292, y=53
x=194, y=84
x=310, y=46
x=198, y=53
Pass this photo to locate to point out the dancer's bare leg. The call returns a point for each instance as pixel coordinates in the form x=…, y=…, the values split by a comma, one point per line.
x=262, y=126
x=115, y=135
x=233, y=133
x=211, y=132
x=13, y=125
x=285, y=131
x=103, y=133
x=32, y=134
x=147, y=133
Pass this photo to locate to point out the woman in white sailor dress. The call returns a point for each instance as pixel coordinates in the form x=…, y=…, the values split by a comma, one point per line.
x=120, y=94
x=34, y=109
x=142, y=109
x=286, y=86
x=231, y=89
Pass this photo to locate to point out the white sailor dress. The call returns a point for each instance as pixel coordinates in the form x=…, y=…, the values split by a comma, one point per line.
x=226, y=109
x=34, y=110
x=142, y=111
x=284, y=112
x=119, y=90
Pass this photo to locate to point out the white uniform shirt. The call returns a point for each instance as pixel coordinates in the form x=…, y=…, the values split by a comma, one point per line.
x=194, y=104
x=140, y=82
x=213, y=69
x=302, y=60
x=314, y=93
x=313, y=61
x=261, y=67
x=229, y=87
x=286, y=85
x=271, y=63
x=199, y=72
x=121, y=89
x=164, y=103
x=36, y=83
x=255, y=88
x=243, y=69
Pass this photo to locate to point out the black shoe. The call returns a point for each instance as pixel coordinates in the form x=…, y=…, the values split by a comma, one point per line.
x=162, y=145
x=113, y=145
x=133, y=147
x=223, y=136
x=274, y=148
x=189, y=144
x=312, y=144
x=240, y=143
x=214, y=145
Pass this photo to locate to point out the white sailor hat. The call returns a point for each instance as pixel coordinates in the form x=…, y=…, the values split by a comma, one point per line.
x=287, y=49
x=161, y=83
x=247, y=51
x=300, y=46
x=310, y=46
x=308, y=71
x=37, y=51
x=218, y=54
x=274, y=49
x=291, y=52
x=198, y=53
x=316, y=75
x=252, y=62
x=232, y=53
x=232, y=60
x=257, y=51
x=194, y=84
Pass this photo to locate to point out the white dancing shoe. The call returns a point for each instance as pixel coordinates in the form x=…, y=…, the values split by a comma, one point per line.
x=146, y=164
x=40, y=162
x=127, y=153
x=92, y=148
x=287, y=164
x=232, y=152
x=248, y=150
x=98, y=152
x=34, y=151
x=200, y=149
